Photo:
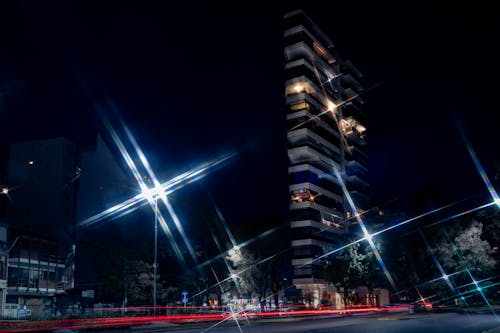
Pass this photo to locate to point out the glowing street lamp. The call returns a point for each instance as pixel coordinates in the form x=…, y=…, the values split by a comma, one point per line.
x=4, y=190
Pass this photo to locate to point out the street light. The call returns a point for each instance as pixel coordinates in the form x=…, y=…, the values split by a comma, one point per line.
x=155, y=265
x=5, y=190
x=152, y=196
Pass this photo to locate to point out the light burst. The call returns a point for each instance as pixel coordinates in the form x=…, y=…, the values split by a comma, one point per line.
x=150, y=195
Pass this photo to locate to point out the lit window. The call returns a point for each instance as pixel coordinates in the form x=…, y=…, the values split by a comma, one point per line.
x=360, y=128
x=299, y=106
x=298, y=88
x=302, y=195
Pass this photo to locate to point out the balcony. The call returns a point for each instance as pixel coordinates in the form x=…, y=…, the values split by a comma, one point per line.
x=311, y=168
x=356, y=155
x=310, y=242
x=300, y=36
x=298, y=96
x=350, y=81
x=304, y=135
x=355, y=166
x=309, y=192
x=351, y=95
x=320, y=226
x=302, y=114
x=317, y=73
x=353, y=110
x=352, y=127
x=315, y=206
x=348, y=67
x=306, y=154
x=358, y=182
x=359, y=197
x=305, y=84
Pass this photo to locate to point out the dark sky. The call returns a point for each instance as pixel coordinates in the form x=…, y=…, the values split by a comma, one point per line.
x=194, y=80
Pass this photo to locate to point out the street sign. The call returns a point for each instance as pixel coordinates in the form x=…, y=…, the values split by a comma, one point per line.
x=23, y=313
x=88, y=293
x=184, y=297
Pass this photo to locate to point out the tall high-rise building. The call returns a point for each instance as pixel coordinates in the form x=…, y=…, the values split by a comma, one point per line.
x=326, y=135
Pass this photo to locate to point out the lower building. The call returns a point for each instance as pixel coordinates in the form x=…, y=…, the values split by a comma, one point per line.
x=37, y=272
x=4, y=251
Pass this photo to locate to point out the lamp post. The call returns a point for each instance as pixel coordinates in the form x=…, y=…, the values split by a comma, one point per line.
x=155, y=265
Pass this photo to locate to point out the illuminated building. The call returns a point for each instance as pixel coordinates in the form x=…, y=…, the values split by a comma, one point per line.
x=325, y=132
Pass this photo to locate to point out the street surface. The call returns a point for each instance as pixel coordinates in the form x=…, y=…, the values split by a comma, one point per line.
x=386, y=323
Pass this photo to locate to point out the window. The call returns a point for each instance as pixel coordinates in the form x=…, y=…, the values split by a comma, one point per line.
x=13, y=273
x=12, y=299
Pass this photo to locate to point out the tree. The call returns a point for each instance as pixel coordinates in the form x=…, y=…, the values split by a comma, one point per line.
x=139, y=282
x=347, y=270
x=247, y=274
x=467, y=249
x=255, y=275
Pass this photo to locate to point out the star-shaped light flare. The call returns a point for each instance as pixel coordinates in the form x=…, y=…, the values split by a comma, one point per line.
x=150, y=195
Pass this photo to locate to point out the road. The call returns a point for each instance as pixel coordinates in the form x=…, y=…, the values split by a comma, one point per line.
x=388, y=323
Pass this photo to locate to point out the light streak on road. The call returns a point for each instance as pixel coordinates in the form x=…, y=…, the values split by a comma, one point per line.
x=123, y=322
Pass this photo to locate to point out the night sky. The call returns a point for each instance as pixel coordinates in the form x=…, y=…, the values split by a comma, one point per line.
x=196, y=80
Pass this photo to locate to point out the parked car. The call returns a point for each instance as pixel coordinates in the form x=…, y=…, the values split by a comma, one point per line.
x=422, y=306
